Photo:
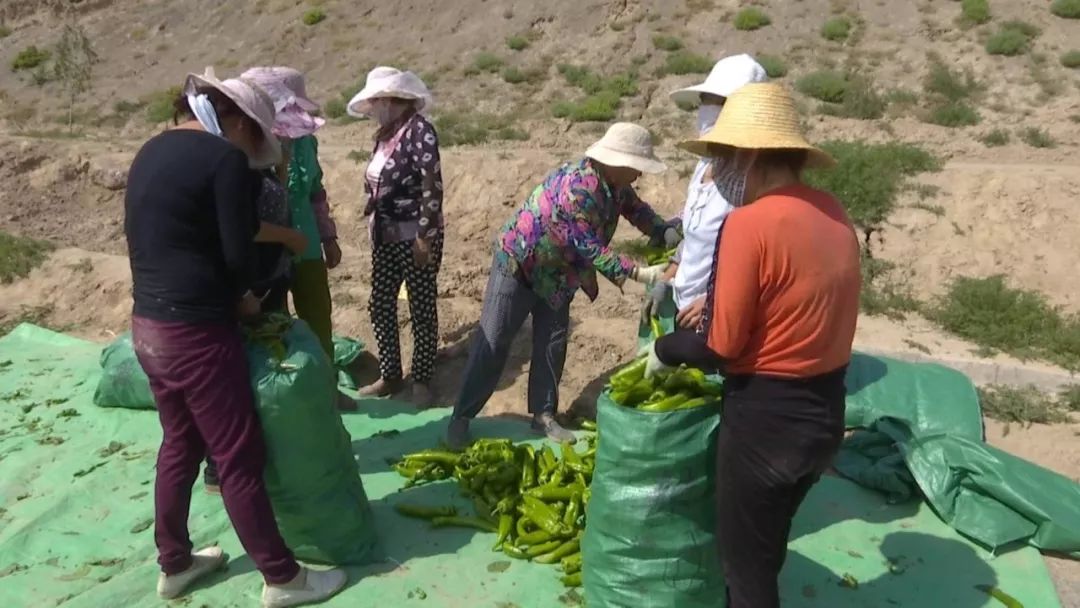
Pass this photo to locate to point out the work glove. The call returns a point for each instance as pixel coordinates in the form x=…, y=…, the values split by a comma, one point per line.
x=648, y=275
x=653, y=365
x=654, y=299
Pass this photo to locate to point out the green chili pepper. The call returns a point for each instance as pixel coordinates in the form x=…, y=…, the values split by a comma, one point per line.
x=657, y=329
x=439, y=456
x=553, y=493
x=588, y=425
x=572, y=580
x=571, y=515
x=571, y=564
x=506, y=524
x=568, y=548
x=422, y=512
x=542, y=548
x=534, y=538
x=464, y=522
x=528, y=468
x=1007, y=600
x=514, y=552
x=542, y=515
x=666, y=405
x=522, y=527
x=692, y=403
x=631, y=373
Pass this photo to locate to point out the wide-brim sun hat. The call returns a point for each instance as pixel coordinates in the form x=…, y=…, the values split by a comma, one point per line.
x=728, y=75
x=253, y=102
x=384, y=82
x=759, y=116
x=285, y=86
x=626, y=145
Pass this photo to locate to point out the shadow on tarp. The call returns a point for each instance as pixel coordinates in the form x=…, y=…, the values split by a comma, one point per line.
x=863, y=371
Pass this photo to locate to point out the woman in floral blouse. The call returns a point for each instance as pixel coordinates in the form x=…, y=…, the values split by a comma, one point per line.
x=555, y=244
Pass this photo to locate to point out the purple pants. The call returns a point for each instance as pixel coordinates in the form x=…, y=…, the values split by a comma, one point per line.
x=199, y=376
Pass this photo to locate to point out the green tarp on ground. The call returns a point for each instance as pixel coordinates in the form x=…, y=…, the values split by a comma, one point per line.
x=75, y=511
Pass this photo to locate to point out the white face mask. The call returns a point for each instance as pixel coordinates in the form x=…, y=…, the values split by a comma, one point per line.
x=706, y=117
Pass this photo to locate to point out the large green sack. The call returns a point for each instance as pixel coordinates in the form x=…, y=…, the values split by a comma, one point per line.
x=650, y=540
x=123, y=382
x=346, y=351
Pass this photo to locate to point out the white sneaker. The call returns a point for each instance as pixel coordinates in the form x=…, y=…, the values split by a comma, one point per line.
x=309, y=587
x=204, y=561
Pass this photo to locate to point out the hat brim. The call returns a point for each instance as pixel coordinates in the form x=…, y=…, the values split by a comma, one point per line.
x=614, y=158
x=360, y=105
x=816, y=157
x=306, y=104
x=269, y=153
x=693, y=94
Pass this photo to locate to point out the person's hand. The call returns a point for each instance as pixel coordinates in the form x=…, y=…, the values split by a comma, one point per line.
x=672, y=238
x=654, y=299
x=249, y=306
x=690, y=317
x=332, y=252
x=653, y=365
x=297, y=242
x=648, y=275
x=421, y=252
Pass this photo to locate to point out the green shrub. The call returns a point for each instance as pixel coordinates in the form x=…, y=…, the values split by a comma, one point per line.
x=622, y=85
x=950, y=85
x=954, y=114
x=836, y=29
x=1068, y=9
x=18, y=256
x=975, y=12
x=1012, y=38
x=335, y=108
x=30, y=58
x=667, y=43
x=869, y=177
x=1071, y=59
x=774, y=66
x=824, y=85
x=860, y=100
x=749, y=19
x=1037, y=138
x=902, y=97
x=882, y=292
x=686, y=62
x=1023, y=405
x=1019, y=322
x=517, y=43
x=314, y=16
x=358, y=156
x=995, y=138
x=159, y=106
x=487, y=62
x=600, y=107
x=5, y=31
x=515, y=75
x=471, y=128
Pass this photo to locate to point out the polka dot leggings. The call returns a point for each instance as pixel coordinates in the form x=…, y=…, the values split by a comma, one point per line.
x=393, y=263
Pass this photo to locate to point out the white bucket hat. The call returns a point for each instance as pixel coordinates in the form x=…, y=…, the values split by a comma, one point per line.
x=383, y=82
x=728, y=75
x=252, y=101
x=626, y=145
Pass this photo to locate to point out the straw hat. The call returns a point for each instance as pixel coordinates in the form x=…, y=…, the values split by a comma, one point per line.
x=385, y=82
x=626, y=145
x=252, y=101
x=728, y=75
x=759, y=116
x=284, y=85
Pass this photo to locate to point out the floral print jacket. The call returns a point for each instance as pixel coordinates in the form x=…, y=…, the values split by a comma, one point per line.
x=410, y=188
x=558, y=240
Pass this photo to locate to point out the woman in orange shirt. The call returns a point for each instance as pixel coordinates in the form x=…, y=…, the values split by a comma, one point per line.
x=781, y=314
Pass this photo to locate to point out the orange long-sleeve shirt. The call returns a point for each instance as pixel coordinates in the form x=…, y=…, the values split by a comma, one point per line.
x=787, y=290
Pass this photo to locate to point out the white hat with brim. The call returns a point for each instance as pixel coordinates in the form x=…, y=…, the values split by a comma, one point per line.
x=386, y=82
x=626, y=145
x=253, y=102
x=759, y=116
x=728, y=75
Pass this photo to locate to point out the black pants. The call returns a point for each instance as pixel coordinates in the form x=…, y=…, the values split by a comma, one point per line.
x=776, y=439
x=393, y=263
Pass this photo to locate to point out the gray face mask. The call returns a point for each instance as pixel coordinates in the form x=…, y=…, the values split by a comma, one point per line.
x=730, y=180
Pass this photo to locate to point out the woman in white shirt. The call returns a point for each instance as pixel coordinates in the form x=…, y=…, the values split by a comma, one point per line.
x=687, y=278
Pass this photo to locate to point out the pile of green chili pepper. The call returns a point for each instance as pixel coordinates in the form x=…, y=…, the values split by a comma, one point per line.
x=268, y=330
x=532, y=499
x=682, y=389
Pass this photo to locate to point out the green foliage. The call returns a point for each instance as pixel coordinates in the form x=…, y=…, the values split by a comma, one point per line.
x=358, y=156
x=18, y=256
x=667, y=43
x=604, y=94
x=314, y=16
x=30, y=58
x=600, y=107
x=749, y=19
x=869, y=177
x=1037, y=138
x=882, y=293
x=1067, y=9
x=975, y=12
x=1015, y=321
x=995, y=138
x=487, y=62
x=686, y=62
x=1023, y=405
x=5, y=31
x=515, y=75
x=335, y=108
x=517, y=43
x=472, y=128
x=1071, y=59
x=953, y=114
x=860, y=100
x=949, y=92
x=774, y=66
x=1012, y=38
x=159, y=106
x=836, y=29
x=824, y=85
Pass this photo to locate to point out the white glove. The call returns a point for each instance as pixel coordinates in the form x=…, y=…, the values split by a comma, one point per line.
x=653, y=366
x=648, y=274
x=655, y=299
x=672, y=238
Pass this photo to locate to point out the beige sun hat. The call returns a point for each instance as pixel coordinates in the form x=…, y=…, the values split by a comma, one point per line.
x=385, y=82
x=759, y=116
x=626, y=145
x=252, y=101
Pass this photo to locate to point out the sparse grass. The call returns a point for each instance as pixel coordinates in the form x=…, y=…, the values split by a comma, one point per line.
x=517, y=43
x=5, y=31
x=1019, y=322
x=883, y=292
x=902, y=97
x=487, y=62
x=127, y=108
x=335, y=108
x=1022, y=405
x=974, y=12
x=935, y=210
x=995, y=138
x=868, y=177
x=774, y=66
x=953, y=114
x=314, y=16
x=824, y=85
x=1066, y=9
x=35, y=315
x=1012, y=38
x=19, y=255
x=860, y=100
x=472, y=128
x=591, y=83
x=1037, y=138
x=949, y=92
x=1071, y=59
x=359, y=156
x=749, y=19
x=159, y=106
x=601, y=107
x=29, y=58
x=836, y=29
x=686, y=62
x=515, y=75
x=668, y=43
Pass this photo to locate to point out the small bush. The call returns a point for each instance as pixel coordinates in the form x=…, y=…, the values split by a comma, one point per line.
x=902, y=97
x=686, y=62
x=601, y=107
x=159, y=106
x=948, y=84
x=774, y=66
x=954, y=114
x=5, y=31
x=471, y=128
x=836, y=29
x=666, y=43
x=749, y=19
x=335, y=108
x=621, y=85
x=1037, y=138
x=515, y=75
x=30, y=58
x=1022, y=405
x=358, y=156
x=1071, y=59
x=860, y=100
x=1012, y=38
x=487, y=62
x=975, y=12
x=995, y=138
x=824, y=85
x=517, y=43
x=882, y=292
x=314, y=16
x=18, y=256
x=1068, y=9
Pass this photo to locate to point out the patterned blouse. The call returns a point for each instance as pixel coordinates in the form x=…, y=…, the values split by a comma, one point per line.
x=558, y=240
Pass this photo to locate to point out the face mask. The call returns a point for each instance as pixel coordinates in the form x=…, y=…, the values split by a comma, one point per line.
x=730, y=180
x=383, y=112
x=706, y=117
